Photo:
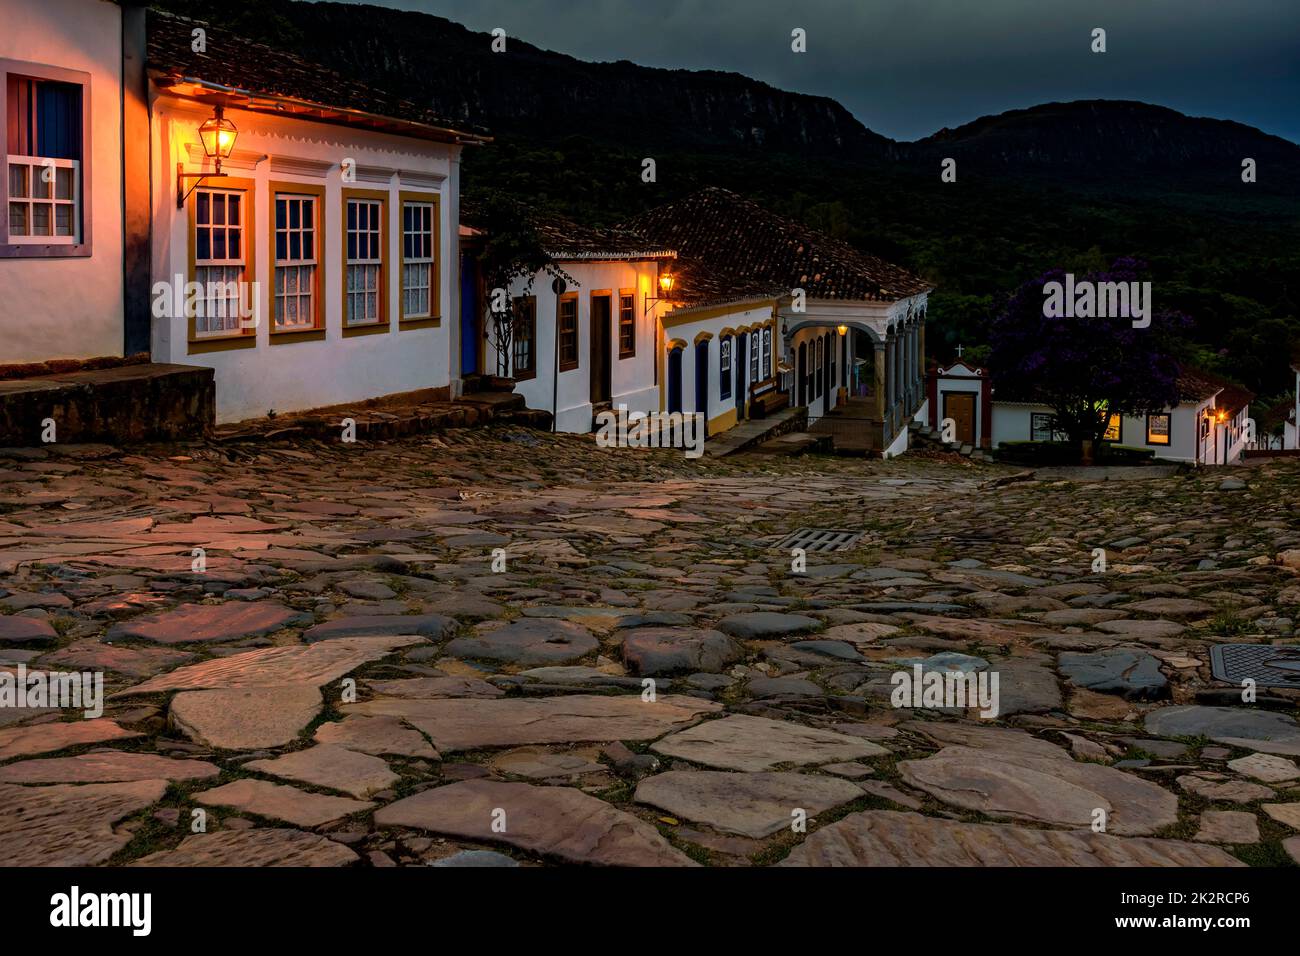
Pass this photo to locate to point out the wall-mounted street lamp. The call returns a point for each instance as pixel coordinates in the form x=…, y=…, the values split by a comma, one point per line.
x=667, y=280
x=217, y=134
x=842, y=329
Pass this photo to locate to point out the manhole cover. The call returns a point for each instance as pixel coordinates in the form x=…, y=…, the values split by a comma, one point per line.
x=1265, y=664
x=819, y=539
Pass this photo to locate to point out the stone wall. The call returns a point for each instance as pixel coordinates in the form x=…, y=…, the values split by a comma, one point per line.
x=127, y=404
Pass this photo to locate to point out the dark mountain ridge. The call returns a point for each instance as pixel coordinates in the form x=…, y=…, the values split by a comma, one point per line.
x=539, y=94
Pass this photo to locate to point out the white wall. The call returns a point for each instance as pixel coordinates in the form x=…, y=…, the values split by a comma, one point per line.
x=71, y=307
x=720, y=411
x=631, y=379
x=1012, y=422
x=289, y=376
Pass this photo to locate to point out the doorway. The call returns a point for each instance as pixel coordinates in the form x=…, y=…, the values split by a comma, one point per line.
x=741, y=361
x=702, y=381
x=675, y=380
x=802, y=373
x=471, y=331
x=960, y=407
x=601, y=316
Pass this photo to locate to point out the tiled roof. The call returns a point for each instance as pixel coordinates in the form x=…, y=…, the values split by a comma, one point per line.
x=1196, y=385
x=567, y=241
x=243, y=69
x=731, y=247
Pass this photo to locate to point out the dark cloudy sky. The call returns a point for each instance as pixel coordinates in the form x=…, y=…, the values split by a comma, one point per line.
x=906, y=68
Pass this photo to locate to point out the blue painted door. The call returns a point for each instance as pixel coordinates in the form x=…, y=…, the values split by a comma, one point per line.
x=675, y=380
x=702, y=380
x=469, y=316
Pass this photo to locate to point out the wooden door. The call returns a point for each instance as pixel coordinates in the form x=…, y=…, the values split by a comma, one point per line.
x=601, y=312
x=960, y=407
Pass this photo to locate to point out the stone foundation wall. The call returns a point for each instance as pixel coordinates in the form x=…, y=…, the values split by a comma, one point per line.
x=132, y=403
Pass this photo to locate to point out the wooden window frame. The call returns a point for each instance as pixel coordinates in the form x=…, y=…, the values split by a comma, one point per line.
x=276, y=189
x=53, y=250
x=385, y=284
x=1169, y=431
x=628, y=295
x=566, y=366
x=244, y=338
x=434, y=318
x=531, y=301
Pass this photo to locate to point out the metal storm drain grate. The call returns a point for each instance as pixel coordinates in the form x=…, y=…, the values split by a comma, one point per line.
x=1265, y=664
x=819, y=539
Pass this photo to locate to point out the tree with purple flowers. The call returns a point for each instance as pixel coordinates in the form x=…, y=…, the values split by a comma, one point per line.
x=1085, y=369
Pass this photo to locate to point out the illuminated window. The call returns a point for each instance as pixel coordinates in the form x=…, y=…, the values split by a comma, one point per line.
x=296, y=258
x=1158, y=429
x=626, y=324
x=1114, y=428
x=219, y=260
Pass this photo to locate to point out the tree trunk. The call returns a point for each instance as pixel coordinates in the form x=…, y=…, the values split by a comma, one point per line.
x=1085, y=452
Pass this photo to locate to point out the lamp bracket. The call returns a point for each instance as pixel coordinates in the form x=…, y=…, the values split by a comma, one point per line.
x=182, y=193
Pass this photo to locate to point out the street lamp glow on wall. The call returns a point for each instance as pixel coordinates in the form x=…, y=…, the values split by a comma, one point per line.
x=217, y=136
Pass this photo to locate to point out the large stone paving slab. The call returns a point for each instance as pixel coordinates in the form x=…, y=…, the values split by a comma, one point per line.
x=433, y=626
x=315, y=664
x=47, y=738
x=555, y=822
x=106, y=766
x=1045, y=789
x=741, y=742
x=889, y=838
x=263, y=846
x=333, y=767
x=245, y=718
x=209, y=623
x=529, y=641
x=70, y=825
x=650, y=651
x=26, y=630
x=376, y=735
x=131, y=661
x=751, y=804
x=280, y=802
x=1235, y=726
x=1134, y=675
x=468, y=724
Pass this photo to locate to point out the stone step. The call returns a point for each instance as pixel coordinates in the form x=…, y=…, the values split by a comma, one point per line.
x=795, y=443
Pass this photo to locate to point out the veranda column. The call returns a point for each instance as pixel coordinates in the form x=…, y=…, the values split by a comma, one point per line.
x=920, y=357
x=879, y=384
x=916, y=364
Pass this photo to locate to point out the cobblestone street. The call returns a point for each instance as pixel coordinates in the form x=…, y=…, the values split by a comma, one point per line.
x=505, y=647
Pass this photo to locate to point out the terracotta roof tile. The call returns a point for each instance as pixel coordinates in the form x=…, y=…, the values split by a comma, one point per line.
x=730, y=247
x=243, y=65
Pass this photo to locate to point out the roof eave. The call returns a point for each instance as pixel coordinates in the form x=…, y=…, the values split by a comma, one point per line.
x=207, y=91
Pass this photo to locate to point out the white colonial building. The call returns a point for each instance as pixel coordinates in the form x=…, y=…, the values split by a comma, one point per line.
x=1208, y=426
x=63, y=235
x=327, y=246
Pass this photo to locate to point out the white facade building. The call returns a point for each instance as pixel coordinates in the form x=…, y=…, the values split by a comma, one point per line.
x=61, y=200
